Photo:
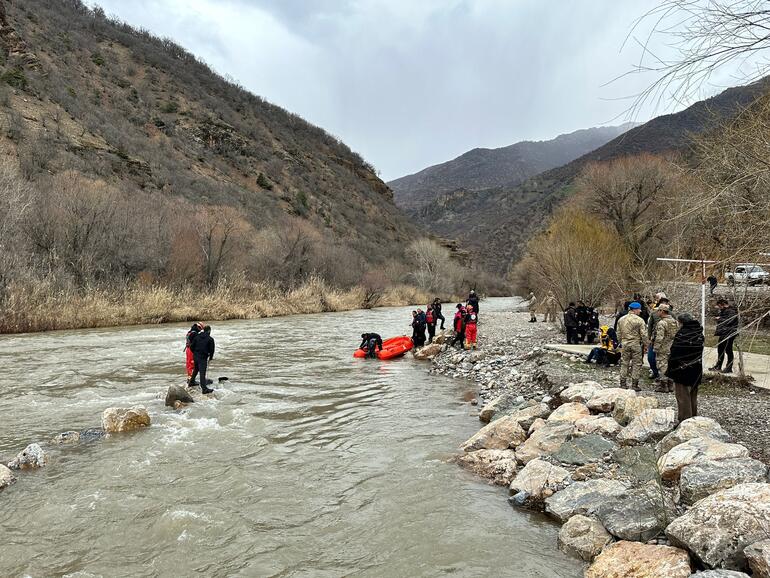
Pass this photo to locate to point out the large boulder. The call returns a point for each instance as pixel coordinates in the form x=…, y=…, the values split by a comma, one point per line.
x=702, y=479
x=65, y=438
x=6, y=477
x=697, y=450
x=538, y=480
x=718, y=528
x=634, y=560
x=122, y=419
x=638, y=514
x=569, y=412
x=603, y=401
x=583, y=450
x=501, y=434
x=599, y=424
x=428, y=352
x=651, y=424
x=583, y=498
x=758, y=557
x=545, y=440
x=695, y=427
x=627, y=408
x=720, y=574
x=526, y=416
x=536, y=425
x=498, y=466
x=495, y=407
x=636, y=462
x=583, y=537
x=178, y=394
x=580, y=392
x=29, y=458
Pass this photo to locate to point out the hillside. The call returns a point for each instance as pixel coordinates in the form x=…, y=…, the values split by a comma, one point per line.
x=86, y=94
x=483, y=168
x=495, y=224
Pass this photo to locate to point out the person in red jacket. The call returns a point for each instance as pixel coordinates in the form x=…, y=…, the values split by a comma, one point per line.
x=471, y=321
x=190, y=362
x=459, y=326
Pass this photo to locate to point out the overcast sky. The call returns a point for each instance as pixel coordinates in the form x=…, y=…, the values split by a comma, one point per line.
x=410, y=83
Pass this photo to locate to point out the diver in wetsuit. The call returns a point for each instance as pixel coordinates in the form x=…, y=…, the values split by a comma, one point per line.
x=370, y=342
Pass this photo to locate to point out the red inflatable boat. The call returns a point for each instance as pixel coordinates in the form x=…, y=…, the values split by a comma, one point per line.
x=393, y=347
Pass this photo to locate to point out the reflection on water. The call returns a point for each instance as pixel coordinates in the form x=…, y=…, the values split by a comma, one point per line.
x=311, y=463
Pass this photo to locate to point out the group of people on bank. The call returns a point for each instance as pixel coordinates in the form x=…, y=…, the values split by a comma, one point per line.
x=464, y=323
x=673, y=345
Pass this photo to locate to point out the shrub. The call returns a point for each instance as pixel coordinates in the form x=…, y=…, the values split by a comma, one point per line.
x=263, y=182
x=97, y=59
x=15, y=77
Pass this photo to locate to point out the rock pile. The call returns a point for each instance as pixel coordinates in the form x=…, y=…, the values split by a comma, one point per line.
x=638, y=494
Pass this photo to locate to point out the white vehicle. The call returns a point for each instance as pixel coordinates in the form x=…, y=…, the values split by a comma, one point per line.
x=749, y=274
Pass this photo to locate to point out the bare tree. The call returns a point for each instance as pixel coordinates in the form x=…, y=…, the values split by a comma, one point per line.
x=219, y=232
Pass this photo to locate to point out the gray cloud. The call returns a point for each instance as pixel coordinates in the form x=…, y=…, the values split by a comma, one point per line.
x=411, y=83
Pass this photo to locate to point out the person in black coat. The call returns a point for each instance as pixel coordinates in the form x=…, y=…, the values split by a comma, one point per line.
x=203, y=352
x=571, y=323
x=437, y=312
x=473, y=300
x=418, y=328
x=371, y=342
x=727, y=331
x=685, y=365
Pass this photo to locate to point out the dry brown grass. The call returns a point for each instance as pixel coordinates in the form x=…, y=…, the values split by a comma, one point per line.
x=39, y=308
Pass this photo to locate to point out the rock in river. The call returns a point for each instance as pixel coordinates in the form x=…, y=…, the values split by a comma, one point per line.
x=569, y=412
x=177, y=393
x=702, y=479
x=695, y=427
x=583, y=498
x=719, y=527
x=539, y=479
x=428, y=352
x=651, y=424
x=583, y=450
x=545, y=440
x=627, y=408
x=720, y=574
x=498, y=435
x=604, y=400
x=583, y=537
x=6, y=477
x=29, y=458
x=635, y=560
x=497, y=406
x=121, y=419
x=498, y=466
x=66, y=438
x=758, y=556
x=696, y=450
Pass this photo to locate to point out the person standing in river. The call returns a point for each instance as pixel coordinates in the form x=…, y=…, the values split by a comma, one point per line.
x=632, y=334
x=189, y=361
x=437, y=312
x=685, y=365
x=203, y=352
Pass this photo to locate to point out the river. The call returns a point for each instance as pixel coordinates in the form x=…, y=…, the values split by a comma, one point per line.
x=310, y=463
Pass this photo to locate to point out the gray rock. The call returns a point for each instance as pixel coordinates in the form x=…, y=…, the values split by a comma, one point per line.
x=702, y=479
x=580, y=392
x=569, y=412
x=627, y=408
x=696, y=450
x=638, y=514
x=599, y=424
x=527, y=414
x=582, y=498
x=718, y=528
x=583, y=537
x=636, y=462
x=539, y=479
x=604, y=400
x=583, y=450
x=177, y=393
x=498, y=466
x=719, y=574
x=649, y=425
x=29, y=458
x=92, y=434
x=695, y=427
x=519, y=499
x=497, y=435
x=546, y=440
x=6, y=477
x=758, y=556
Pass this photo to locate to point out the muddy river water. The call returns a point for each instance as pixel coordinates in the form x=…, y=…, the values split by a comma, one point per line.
x=310, y=463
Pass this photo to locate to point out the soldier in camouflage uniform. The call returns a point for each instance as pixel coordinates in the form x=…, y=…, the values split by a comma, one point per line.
x=632, y=333
x=665, y=329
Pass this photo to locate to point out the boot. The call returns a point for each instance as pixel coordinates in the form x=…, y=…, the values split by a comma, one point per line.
x=661, y=386
x=205, y=389
x=635, y=386
x=670, y=386
x=623, y=384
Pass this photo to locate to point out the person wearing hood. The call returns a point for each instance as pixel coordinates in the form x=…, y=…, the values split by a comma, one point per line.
x=473, y=300
x=203, y=352
x=437, y=312
x=371, y=342
x=726, y=331
x=571, y=323
x=418, y=328
x=632, y=334
x=189, y=338
x=685, y=365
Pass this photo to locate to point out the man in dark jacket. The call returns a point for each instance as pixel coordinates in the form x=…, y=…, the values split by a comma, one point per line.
x=581, y=312
x=437, y=312
x=571, y=323
x=727, y=331
x=371, y=342
x=473, y=300
x=203, y=352
x=685, y=365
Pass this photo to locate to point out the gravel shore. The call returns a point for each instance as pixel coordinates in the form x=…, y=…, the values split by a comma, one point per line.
x=510, y=359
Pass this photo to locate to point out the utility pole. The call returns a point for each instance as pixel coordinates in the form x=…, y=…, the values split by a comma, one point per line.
x=703, y=263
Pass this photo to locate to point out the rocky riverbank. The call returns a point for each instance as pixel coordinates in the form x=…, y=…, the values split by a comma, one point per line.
x=638, y=494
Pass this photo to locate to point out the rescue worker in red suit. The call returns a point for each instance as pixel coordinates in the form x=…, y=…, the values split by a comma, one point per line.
x=190, y=362
x=203, y=352
x=459, y=326
x=471, y=321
